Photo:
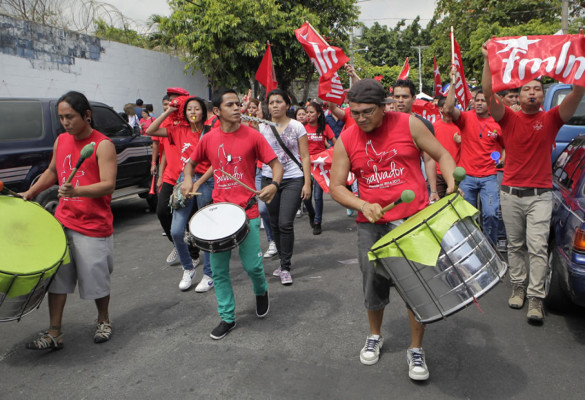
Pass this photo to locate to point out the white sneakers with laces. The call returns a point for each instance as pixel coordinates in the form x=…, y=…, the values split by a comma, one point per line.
x=205, y=285
x=417, y=367
x=188, y=276
x=272, y=250
x=370, y=353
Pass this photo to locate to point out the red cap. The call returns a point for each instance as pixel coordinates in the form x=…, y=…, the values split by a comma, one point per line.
x=177, y=90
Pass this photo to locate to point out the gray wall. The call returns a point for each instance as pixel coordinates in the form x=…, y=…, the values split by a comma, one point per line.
x=42, y=61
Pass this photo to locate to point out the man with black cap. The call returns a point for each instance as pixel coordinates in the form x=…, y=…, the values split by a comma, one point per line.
x=383, y=150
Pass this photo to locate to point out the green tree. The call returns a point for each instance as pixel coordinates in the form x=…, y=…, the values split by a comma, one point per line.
x=123, y=35
x=226, y=40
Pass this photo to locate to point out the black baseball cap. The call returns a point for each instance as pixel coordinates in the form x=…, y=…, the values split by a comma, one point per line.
x=368, y=91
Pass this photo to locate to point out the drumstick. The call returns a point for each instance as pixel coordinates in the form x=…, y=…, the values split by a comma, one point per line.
x=406, y=197
x=85, y=153
x=194, y=193
x=240, y=182
x=459, y=174
x=7, y=192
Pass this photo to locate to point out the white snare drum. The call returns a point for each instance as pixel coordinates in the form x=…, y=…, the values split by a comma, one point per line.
x=219, y=227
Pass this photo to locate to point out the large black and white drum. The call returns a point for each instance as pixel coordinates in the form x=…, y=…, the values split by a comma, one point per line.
x=219, y=227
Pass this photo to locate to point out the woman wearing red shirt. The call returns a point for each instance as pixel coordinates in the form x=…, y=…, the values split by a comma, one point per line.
x=318, y=134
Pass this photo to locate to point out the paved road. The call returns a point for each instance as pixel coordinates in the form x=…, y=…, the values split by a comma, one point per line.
x=307, y=348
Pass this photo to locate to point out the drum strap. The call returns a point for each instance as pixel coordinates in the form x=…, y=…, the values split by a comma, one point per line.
x=251, y=203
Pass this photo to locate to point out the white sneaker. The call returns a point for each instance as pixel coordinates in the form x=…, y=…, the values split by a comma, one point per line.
x=417, y=367
x=370, y=353
x=205, y=285
x=188, y=276
x=261, y=223
x=173, y=257
x=299, y=213
x=272, y=250
x=276, y=272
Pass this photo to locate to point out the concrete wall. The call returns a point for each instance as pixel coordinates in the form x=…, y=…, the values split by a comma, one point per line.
x=41, y=61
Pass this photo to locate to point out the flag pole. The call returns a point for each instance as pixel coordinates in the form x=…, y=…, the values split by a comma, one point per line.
x=318, y=34
x=452, y=46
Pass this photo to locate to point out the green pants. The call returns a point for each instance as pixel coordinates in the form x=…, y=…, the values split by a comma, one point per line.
x=251, y=256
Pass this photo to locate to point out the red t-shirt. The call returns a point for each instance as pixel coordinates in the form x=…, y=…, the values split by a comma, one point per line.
x=386, y=162
x=480, y=137
x=529, y=139
x=88, y=216
x=444, y=133
x=348, y=120
x=236, y=153
x=186, y=140
x=317, y=142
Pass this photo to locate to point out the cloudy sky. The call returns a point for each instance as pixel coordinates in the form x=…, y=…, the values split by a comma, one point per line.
x=386, y=12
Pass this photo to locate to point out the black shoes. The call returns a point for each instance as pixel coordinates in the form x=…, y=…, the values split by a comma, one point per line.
x=262, y=305
x=317, y=228
x=222, y=329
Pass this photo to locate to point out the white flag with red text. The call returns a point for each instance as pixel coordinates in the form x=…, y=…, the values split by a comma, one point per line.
x=516, y=60
x=321, y=167
x=327, y=59
x=462, y=92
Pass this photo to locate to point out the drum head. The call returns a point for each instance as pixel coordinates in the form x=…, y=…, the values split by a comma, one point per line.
x=217, y=221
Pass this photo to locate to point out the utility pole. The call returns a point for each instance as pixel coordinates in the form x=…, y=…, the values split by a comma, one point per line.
x=565, y=17
x=420, y=85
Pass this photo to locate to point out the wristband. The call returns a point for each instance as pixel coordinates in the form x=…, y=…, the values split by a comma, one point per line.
x=152, y=163
x=433, y=191
x=275, y=184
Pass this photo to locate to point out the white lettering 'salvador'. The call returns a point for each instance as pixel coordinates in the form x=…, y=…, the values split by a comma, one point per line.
x=378, y=177
x=564, y=63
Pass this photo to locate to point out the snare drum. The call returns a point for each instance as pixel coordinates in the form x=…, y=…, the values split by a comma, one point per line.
x=439, y=260
x=219, y=227
x=32, y=247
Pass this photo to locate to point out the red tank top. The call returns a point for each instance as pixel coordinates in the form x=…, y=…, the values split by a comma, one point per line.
x=386, y=161
x=91, y=217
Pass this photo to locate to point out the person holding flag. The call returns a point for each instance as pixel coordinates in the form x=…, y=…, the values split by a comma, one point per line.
x=529, y=136
x=383, y=150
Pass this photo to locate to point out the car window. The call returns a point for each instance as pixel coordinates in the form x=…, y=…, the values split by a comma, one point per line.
x=570, y=163
x=21, y=120
x=109, y=123
x=579, y=116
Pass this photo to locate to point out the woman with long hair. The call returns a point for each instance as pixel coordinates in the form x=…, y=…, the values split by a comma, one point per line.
x=184, y=137
x=318, y=135
x=289, y=137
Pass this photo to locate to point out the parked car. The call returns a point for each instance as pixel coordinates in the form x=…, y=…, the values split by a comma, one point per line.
x=28, y=129
x=554, y=95
x=566, y=278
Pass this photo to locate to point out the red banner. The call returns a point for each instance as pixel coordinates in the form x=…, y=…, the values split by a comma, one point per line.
x=321, y=166
x=462, y=92
x=327, y=59
x=438, y=83
x=405, y=70
x=427, y=110
x=265, y=74
x=331, y=89
x=516, y=60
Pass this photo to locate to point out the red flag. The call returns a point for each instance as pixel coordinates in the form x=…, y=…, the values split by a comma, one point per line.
x=517, y=60
x=331, y=89
x=462, y=92
x=405, y=70
x=321, y=166
x=265, y=74
x=379, y=78
x=427, y=110
x=438, y=83
x=327, y=59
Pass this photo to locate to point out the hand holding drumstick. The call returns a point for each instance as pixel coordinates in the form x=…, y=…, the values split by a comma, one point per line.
x=373, y=211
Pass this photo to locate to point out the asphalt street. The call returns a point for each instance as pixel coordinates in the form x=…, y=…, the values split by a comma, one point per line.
x=307, y=348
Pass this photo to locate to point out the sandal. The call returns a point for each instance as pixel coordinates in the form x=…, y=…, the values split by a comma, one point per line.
x=103, y=332
x=46, y=342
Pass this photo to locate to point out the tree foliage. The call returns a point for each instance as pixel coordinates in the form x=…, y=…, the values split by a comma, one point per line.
x=226, y=40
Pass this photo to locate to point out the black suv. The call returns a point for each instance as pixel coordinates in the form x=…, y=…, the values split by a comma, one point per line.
x=28, y=129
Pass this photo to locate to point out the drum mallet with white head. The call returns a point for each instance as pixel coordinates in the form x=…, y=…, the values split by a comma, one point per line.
x=406, y=197
x=85, y=153
x=7, y=192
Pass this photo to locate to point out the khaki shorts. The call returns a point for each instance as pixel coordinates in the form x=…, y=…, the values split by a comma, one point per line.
x=92, y=262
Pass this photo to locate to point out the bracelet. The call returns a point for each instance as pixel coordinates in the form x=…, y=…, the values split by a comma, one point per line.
x=362, y=207
x=152, y=163
x=276, y=184
x=433, y=191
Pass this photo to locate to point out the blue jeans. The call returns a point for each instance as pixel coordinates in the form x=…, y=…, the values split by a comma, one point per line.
x=262, y=208
x=501, y=225
x=318, y=196
x=181, y=218
x=283, y=209
x=487, y=188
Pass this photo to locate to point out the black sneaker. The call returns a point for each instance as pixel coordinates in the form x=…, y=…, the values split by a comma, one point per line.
x=312, y=219
x=317, y=228
x=262, y=305
x=222, y=329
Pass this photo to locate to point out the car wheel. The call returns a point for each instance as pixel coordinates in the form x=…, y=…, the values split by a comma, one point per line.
x=556, y=299
x=48, y=199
